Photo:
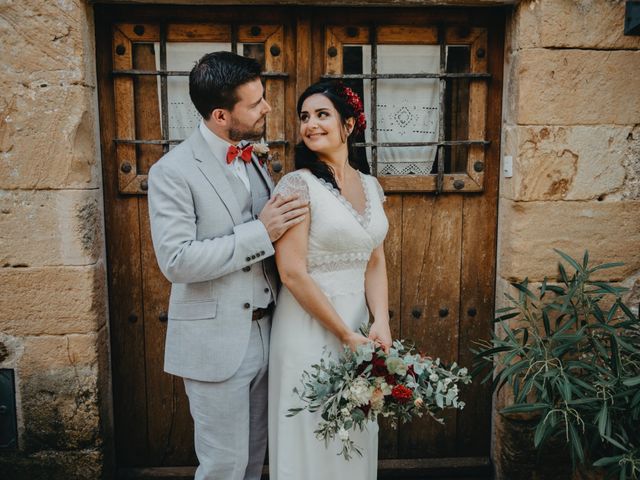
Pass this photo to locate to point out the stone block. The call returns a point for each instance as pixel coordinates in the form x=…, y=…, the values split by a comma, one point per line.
x=57, y=352
x=49, y=41
x=48, y=137
x=52, y=301
x=11, y=349
x=529, y=231
x=50, y=228
x=569, y=163
x=595, y=24
x=573, y=87
x=516, y=458
x=57, y=379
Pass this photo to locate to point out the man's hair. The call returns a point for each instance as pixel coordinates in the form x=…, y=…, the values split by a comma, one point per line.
x=215, y=77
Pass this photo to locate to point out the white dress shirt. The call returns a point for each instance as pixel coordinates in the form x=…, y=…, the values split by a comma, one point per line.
x=219, y=148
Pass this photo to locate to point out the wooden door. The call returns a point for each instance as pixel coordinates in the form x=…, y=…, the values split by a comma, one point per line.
x=441, y=195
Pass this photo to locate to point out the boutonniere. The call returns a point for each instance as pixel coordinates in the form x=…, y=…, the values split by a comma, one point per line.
x=261, y=149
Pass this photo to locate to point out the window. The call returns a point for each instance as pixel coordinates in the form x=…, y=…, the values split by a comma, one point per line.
x=153, y=108
x=429, y=88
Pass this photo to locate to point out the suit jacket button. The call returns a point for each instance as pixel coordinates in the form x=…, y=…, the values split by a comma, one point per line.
x=248, y=259
x=246, y=269
x=262, y=252
x=255, y=217
x=253, y=257
x=266, y=290
x=247, y=305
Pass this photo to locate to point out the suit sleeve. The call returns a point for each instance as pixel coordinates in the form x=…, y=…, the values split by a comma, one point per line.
x=181, y=257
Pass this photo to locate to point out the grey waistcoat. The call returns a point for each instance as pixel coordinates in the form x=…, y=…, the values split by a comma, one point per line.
x=263, y=273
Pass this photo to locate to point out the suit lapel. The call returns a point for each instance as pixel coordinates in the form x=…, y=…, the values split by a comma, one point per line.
x=213, y=169
x=264, y=172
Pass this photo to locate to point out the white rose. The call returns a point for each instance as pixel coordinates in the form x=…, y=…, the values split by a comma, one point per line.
x=433, y=377
x=343, y=434
x=396, y=366
x=386, y=388
x=360, y=392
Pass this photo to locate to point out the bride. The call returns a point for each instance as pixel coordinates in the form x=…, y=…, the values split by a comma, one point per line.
x=332, y=267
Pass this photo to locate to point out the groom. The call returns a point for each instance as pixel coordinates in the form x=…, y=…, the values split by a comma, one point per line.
x=213, y=226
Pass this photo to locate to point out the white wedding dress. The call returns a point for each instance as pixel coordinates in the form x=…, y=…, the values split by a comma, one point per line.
x=340, y=244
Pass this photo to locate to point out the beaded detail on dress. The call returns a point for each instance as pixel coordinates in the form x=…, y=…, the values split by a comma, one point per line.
x=339, y=261
x=363, y=219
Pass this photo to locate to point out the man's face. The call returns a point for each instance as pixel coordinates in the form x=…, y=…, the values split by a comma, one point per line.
x=247, y=120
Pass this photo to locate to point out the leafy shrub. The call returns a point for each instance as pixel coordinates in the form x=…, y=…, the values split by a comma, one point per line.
x=570, y=352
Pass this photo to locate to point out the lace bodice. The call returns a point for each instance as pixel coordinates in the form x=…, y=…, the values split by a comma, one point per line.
x=340, y=237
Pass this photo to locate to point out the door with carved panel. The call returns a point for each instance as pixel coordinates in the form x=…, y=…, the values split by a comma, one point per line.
x=431, y=85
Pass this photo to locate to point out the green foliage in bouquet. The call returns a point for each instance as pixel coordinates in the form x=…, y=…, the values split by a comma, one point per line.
x=571, y=355
x=354, y=389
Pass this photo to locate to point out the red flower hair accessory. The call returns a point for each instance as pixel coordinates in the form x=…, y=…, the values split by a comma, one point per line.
x=354, y=101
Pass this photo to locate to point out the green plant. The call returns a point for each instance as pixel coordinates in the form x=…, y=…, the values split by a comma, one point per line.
x=570, y=352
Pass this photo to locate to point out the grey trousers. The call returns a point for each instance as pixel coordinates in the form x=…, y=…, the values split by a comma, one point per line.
x=230, y=417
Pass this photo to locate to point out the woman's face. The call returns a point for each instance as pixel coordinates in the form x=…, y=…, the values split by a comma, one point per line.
x=321, y=126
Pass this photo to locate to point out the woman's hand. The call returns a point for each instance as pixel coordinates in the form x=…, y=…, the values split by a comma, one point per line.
x=380, y=334
x=353, y=339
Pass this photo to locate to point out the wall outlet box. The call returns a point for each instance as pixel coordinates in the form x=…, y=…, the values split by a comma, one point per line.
x=507, y=166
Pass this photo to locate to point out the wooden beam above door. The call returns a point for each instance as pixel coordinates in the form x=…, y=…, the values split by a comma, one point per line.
x=324, y=3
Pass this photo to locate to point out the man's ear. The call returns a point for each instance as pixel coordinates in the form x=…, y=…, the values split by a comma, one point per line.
x=219, y=117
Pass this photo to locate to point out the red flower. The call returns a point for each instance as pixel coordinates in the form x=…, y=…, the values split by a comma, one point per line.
x=379, y=367
x=401, y=394
x=390, y=379
x=353, y=100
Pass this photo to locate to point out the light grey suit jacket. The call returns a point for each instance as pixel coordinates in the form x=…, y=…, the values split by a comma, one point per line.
x=202, y=246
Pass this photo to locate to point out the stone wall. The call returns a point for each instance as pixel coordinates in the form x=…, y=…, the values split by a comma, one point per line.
x=53, y=321
x=572, y=125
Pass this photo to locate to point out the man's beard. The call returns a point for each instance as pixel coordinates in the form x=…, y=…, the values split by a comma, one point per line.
x=237, y=133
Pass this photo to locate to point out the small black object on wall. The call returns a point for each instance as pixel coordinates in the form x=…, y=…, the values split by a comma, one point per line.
x=632, y=18
x=8, y=423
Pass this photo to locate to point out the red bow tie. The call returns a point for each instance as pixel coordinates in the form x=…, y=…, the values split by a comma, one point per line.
x=243, y=152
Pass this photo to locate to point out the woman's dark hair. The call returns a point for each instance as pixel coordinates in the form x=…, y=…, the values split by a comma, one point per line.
x=215, y=77
x=304, y=157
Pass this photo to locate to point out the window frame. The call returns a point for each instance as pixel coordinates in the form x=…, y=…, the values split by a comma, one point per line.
x=127, y=35
x=472, y=180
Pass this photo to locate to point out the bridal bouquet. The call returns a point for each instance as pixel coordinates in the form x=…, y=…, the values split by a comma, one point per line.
x=361, y=385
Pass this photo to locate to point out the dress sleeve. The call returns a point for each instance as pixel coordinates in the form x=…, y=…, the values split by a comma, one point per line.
x=291, y=184
x=379, y=189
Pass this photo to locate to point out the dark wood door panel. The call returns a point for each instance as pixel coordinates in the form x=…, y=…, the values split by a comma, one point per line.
x=440, y=248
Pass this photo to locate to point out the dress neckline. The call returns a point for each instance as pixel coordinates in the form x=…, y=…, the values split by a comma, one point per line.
x=363, y=218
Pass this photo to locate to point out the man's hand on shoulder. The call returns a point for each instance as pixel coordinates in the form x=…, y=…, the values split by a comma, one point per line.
x=281, y=213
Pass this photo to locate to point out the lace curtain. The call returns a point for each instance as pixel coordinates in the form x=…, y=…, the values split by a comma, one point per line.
x=407, y=110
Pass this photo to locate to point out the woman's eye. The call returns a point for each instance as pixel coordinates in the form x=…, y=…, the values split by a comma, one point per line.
x=323, y=114
x=304, y=118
